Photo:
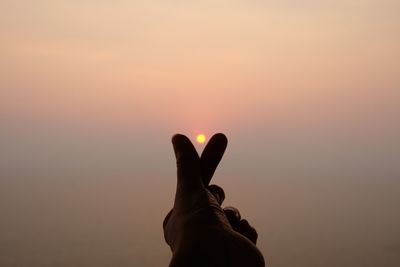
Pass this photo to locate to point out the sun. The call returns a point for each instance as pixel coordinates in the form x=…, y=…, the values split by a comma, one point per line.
x=200, y=138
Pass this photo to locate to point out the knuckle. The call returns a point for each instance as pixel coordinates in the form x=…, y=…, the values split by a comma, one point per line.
x=218, y=192
x=233, y=212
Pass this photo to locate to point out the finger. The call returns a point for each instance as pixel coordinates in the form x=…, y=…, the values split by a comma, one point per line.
x=212, y=155
x=188, y=164
x=166, y=219
x=233, y=216
x=165, y=225
x=217, y=192
x=245, y=229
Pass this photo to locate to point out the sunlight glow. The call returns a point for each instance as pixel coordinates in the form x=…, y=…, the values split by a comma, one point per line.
x=200, y=138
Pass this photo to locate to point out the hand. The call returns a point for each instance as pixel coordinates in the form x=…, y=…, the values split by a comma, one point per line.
x=198, y=230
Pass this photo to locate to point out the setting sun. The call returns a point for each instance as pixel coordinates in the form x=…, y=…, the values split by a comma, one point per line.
x=201, y=138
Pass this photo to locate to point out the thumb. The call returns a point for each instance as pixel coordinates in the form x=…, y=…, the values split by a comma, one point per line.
x=212, y=155
x=188, y=165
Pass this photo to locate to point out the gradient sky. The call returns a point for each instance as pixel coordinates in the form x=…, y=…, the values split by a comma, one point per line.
x=303, y=89
x=148, y=69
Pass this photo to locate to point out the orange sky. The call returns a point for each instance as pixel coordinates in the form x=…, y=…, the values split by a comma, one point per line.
x=91, y=91
x=138, y=70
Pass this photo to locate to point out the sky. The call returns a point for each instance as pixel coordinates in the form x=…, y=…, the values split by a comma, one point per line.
x=307, y=92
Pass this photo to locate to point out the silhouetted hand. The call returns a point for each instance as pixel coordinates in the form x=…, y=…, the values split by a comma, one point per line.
x=198, y=230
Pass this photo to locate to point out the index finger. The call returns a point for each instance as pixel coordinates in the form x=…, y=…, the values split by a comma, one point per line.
x=188, y=165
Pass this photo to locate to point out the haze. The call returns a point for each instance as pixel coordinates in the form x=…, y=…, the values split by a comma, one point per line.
x=91, y=92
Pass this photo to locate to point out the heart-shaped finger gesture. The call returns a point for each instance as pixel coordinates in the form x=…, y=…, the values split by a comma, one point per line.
x=198, y=230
